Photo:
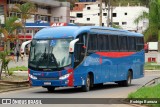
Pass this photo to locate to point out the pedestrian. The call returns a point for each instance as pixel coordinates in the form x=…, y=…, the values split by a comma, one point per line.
x=17, y=54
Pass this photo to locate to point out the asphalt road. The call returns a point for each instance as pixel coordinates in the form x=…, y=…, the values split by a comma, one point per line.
x=109, y=90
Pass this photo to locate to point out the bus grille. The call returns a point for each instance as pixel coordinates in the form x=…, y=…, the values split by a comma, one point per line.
x=40, y=78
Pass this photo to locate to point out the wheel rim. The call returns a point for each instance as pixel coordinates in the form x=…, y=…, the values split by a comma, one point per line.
x=129, y=80
x=88, y=82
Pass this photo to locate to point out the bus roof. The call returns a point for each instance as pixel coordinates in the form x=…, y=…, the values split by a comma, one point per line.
x=74, y=31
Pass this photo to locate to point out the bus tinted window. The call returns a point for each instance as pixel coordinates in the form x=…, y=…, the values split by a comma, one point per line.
x=123, y=43
x=103, y=43
x=114, y=43
x=139, y=43
x=131, y=44
x=93, y=41
x=100, y=43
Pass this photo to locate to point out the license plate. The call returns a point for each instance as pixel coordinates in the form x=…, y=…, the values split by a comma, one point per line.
x=47, y=83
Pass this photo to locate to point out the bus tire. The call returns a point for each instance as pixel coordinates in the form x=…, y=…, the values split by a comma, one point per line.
x=51, y=89
x=126, y=82
x=87, y=86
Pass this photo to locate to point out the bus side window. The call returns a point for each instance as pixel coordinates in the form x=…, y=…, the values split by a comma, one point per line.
x=93, y=43
x=103, y=42
x=100, y=43
x=114, y=43
x=131, y=44
x=139, y=43
x=123, y=43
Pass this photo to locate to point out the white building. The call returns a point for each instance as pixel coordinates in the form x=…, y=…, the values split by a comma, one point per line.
x=123, y=16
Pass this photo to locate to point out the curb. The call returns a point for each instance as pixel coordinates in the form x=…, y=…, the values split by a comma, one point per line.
x=14, y=82
x=15, y=89
x=151, y=70
x=16, y=85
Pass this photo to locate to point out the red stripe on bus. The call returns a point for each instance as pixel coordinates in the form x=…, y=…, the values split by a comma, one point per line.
x=115, y=54
x=70, y=78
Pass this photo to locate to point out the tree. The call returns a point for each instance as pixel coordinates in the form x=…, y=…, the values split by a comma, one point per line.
x=26, y=10
x=4, y=62
x=154, y=20
x=116, y=26
x=9, y=30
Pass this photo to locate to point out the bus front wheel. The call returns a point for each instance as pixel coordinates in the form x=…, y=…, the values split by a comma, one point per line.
x=86, y=87
x=51, y=89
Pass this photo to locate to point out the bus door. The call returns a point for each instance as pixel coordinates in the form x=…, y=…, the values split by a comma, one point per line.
x=80, y=48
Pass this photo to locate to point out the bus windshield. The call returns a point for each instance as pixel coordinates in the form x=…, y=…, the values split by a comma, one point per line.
x=49, y=54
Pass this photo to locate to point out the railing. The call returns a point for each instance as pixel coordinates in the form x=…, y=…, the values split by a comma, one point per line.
x=155, y=81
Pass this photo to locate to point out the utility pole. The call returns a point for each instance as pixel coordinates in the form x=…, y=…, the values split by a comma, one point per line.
x=111, y=16
x=108, y=20
x=100, y=13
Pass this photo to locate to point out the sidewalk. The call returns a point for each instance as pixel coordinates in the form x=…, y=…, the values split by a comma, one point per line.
x=19, y=63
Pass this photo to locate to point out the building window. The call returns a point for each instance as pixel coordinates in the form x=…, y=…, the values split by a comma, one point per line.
x=19, y=31
x=114, y=14
x=98, y=5
x=116, y=23
x=98, y=14
x=12, y=14
x=88, y=19
x=42, y=18
x=102, y=24
x=88, y=8
x=71, y=21
x=28, y=31
x=124, y=23
x=46, y=18
x=18, y=15
x=56, y=19
x=125, y=13
x=104, y=14
x=79, y=15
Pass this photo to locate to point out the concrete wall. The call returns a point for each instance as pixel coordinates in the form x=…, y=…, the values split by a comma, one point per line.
x=62, y=13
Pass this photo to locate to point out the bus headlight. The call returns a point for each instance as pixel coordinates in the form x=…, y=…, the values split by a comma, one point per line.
x=32, y=77
x=64, y=76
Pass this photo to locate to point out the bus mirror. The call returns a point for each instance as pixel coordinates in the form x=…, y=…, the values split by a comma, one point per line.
x=72, y=44
x=23, y=45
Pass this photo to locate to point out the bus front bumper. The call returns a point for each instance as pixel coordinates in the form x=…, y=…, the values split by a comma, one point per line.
x=56, y=83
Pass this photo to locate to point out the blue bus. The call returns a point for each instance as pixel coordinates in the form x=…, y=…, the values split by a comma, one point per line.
x=73, y=56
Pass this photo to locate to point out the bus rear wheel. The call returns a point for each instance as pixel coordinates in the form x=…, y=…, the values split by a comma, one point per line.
x=87, y=86
x=126, y=82
x=51, y=89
